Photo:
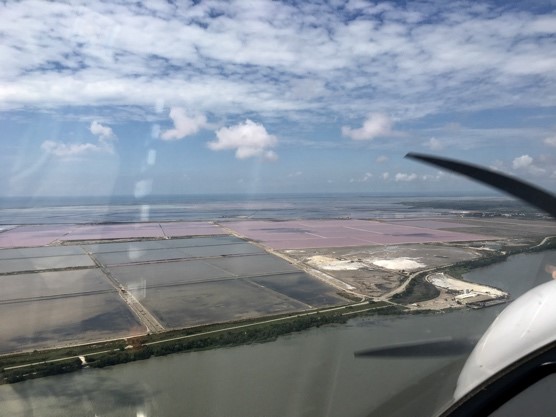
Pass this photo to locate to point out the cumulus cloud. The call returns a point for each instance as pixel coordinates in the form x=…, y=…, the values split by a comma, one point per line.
x=69, y=149
x=249, y=139
x=550, y=141
x=366, y=177
x=526, y=164
x=105, y=137
x=376, y=124
x=403, y=177
x=431, y=177
x=522, y=161
x=434, y=144
x=103, y=132
x=498, y=165
x=184, y=125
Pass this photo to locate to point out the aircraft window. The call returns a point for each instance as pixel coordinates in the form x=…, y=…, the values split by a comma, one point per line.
x=538, y=400
x=215, y=193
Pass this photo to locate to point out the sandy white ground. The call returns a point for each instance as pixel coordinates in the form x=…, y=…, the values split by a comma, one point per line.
x=467, y=289
x=398, y=264
x=334, y=264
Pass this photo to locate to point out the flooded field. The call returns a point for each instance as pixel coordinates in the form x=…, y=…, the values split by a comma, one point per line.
x=211, y=302
x=253, y=265
x=42, y=235
x=229, y=279
x=46, y=309
x=179, y=282
x=344, y=233
x=59, y=321
x=19, y=253
x=41, y=263
x=165, y=273
x=188, y=242
x=49, y=284
x=138, y=254
x=302, y=288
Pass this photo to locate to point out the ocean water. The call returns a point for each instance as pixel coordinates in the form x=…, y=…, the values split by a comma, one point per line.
x=86, y=210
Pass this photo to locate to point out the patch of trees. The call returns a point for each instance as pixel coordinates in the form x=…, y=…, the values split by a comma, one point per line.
x=43, y=369
x=417, y=291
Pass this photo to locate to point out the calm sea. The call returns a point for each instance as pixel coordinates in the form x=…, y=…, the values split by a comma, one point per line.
x=20, y=210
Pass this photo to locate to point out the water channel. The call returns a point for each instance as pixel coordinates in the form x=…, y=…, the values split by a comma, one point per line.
x=313, y=373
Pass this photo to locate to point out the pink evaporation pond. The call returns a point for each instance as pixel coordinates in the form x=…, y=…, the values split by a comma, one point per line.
x=28, y=236
x=191, y=229
x=341, y=233
x=433, y=224
x=23, y=236
x=116, y=231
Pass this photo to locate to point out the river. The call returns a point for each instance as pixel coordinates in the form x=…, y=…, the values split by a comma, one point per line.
x=313, y=373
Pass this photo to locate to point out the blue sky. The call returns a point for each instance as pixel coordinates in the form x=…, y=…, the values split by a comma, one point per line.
x=100, y=98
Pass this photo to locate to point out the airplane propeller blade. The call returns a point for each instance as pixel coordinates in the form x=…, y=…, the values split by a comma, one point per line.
x=428, y=348
x=529, y=193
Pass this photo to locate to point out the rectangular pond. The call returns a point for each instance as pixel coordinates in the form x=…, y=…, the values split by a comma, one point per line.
x=212, y=302
x=301, y=287
x=167, y=273
x=48, y=284
x=74, y=319
x=41, y=263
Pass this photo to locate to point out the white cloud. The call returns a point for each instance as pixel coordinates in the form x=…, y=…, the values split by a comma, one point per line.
x=376, y=124
x=434, y=144
x=103, y=132
x=385, y=176
x=430, y=177
x=365, y=178
x=184, y=125
x=522, y=161
x=381, y=159
x=527, y=164
x=278, y=58
x=65, y=150
x=295, y=174
x=550, y=141
x=498, y=165
x=403, y=177
x=249, y=139
x=70, y=149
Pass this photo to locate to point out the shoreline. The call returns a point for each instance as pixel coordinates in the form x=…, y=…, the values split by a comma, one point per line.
x=417, y=288
x=19, y=367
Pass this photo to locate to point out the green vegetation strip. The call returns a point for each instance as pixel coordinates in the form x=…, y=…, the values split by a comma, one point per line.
x=20, y=367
